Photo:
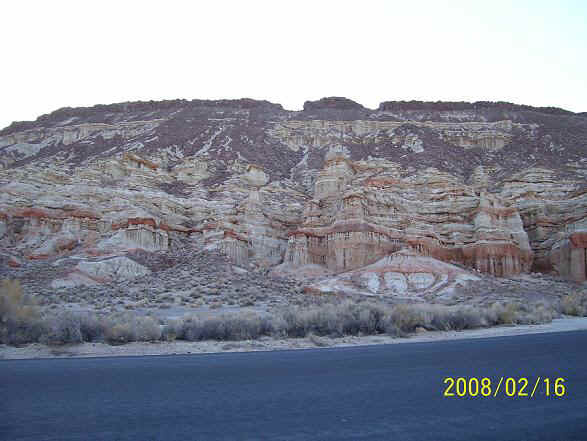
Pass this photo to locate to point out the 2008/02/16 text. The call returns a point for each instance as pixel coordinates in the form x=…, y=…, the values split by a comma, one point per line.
x=508, y=386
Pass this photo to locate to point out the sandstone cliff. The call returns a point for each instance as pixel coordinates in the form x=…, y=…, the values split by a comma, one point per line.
x=495, y=187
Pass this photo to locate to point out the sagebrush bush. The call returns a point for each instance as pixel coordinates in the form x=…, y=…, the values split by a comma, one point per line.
x=171, y=330
x=236, y=326
x=575, y=304
x=405, y=319
x=515, y=313
x=334, y=320
x=541, y=314
x=147, y=329
x=63, y=328
x=128, y=327
x=119, y=333
x=533, y=314
x=20, y=319
x=503, y=314
x=92, y=327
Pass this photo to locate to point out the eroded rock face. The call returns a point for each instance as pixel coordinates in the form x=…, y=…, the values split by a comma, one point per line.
x=569, y=253
x=404, y=274
x=366, y=210
x=551, y=208
x=336, y=187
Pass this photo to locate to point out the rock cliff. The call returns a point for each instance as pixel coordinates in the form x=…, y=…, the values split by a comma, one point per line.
x=495, y=187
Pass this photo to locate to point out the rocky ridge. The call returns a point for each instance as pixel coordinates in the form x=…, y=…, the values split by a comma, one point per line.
x=326, y=192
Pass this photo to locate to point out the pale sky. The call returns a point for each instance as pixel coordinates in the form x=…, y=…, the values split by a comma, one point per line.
x=80, y=53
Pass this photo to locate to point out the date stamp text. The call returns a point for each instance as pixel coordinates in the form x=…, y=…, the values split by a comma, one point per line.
x=521, y=387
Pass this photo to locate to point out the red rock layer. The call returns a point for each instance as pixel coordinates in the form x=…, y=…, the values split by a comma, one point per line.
x=570, y=257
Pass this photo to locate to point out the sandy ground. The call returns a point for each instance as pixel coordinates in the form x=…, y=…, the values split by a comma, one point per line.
x=269, y=344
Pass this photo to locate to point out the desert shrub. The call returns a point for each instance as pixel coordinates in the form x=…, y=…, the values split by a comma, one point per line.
x=334, y=320
x=211, y=328
x=214, y=328
x=118, y=333
x=62, y=328
x=372, y=319
x=20, y=319
x=147, y=329
x=238, y=326
x=340, y=320
x=195, y=329
x=91, y=327
x=241, y=327
x=504, y=314
x=128, y=327
x=171, y=330
x=318, y=320
x=294, y=323
x=541, y=314
x=534, y=314
x=189, y=329
x=456, y=319
x=575, y=304
x=404, y=319
x=274, y=326
x=270, y=326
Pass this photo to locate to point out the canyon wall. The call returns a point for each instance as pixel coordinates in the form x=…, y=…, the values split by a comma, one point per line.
x=495, y=187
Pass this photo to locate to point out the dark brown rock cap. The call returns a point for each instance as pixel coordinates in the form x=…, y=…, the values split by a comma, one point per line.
x=332, y=103
x=335, y=108
x=439, y=106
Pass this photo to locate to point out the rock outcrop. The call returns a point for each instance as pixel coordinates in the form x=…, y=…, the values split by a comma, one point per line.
x=366, y=210
x=337, y=187
x=403, y=274
x=97, y=272
x=569, y=254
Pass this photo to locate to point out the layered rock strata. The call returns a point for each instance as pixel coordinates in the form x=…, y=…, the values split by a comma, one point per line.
x=495, y=187
x=364, y=211
x=404, y=274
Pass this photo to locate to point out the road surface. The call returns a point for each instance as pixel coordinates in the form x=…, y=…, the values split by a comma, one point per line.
x=385, y=392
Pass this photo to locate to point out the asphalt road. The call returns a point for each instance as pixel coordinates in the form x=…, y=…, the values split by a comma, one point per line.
x=386, y=392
